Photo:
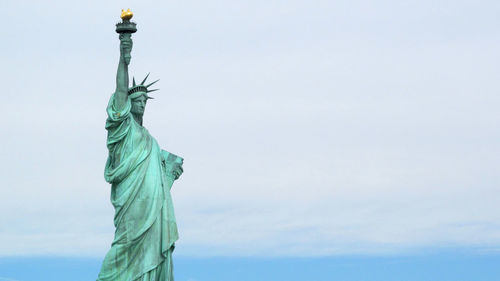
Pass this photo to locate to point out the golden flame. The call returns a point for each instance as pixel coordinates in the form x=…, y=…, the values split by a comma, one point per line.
x=126, y=15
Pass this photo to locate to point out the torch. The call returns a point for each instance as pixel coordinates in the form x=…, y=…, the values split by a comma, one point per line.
x=125, y=29
x=126, y=26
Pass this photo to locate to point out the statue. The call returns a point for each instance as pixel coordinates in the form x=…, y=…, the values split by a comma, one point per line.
x=141, y=175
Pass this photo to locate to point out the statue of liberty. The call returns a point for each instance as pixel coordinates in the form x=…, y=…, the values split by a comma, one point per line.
x=141, y=175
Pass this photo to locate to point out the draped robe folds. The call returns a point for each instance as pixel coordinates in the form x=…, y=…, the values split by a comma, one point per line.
x=141, y=176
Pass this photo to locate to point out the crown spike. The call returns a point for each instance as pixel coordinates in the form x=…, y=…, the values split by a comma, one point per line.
x=133, y=81
x=152, y=83
x=142, y=83
x=149, y=91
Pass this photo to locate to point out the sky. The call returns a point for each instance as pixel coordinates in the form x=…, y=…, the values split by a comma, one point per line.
x=308, y=128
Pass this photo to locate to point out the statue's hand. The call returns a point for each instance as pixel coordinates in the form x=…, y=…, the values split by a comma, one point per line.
x=178, y=170
x=126, y=47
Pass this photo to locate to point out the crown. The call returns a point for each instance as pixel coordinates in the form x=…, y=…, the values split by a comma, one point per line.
x=141, y=88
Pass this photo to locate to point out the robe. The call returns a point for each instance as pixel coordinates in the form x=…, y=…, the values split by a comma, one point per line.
x=141, y=175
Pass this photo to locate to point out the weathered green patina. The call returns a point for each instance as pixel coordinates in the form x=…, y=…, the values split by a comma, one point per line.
x=141, y=175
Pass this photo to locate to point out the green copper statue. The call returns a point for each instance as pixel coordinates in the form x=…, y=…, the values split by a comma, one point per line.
x=141, y=175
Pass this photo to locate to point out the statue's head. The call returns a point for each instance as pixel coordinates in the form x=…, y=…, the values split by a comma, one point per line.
x=138, y=95
x=139, y=104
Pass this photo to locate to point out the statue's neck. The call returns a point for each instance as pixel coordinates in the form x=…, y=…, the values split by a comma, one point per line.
x=138, y=118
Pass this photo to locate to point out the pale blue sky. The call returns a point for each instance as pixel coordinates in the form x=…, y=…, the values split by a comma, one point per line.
x=308, y=128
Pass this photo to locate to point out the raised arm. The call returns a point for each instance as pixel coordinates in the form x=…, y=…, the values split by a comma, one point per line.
x=121, y=92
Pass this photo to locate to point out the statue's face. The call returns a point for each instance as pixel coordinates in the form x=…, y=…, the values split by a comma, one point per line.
x=138, y=105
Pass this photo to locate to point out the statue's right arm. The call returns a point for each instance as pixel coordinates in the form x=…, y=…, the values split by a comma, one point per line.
x=121, y=92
